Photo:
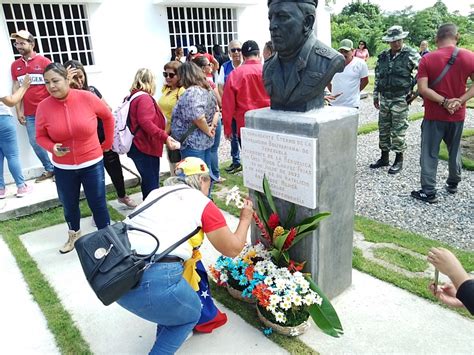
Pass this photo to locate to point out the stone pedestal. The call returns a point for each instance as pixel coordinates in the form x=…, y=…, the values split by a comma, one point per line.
x=333, y=133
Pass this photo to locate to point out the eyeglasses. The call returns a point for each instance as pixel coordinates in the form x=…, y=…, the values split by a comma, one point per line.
x=234, y=50
x=170, y=75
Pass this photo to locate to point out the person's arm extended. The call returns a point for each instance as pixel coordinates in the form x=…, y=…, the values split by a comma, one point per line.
x=18, y=93
x=228, y=243
x=363, y=83
x=19, y=105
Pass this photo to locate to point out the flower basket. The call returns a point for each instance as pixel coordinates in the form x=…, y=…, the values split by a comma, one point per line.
x=237, y=294
x=291, y=331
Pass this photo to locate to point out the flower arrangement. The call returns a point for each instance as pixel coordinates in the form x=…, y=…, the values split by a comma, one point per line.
x=285, y=295
x=244, y=271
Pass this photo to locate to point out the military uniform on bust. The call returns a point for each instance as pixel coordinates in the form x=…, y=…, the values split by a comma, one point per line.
x=393, y=82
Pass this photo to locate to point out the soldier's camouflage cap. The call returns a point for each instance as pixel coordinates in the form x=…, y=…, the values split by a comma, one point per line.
x=395, y=33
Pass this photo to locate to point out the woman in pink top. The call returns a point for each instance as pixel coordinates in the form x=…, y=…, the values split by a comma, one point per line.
x=66, y=126
x=362, y=52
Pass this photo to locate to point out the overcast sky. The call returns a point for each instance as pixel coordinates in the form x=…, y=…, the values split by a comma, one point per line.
x=463, y=6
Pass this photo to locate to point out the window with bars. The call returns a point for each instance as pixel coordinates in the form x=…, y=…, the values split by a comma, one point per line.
x=189, y=26
x=61, y=31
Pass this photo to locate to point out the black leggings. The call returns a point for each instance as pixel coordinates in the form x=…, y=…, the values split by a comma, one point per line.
x=114, y=169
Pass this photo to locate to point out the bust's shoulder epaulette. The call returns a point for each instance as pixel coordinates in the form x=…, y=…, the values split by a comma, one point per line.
x=324, y=51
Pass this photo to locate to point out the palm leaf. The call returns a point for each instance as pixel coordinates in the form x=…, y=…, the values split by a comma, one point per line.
x=268, y=194
x=311, y=223
x=325, y=316
x=290, y=219
x=262, y=209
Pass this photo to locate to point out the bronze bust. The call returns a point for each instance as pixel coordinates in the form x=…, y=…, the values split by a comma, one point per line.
x=296, y=75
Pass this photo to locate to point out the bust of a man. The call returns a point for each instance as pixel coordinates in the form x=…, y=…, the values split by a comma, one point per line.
x=296, y=75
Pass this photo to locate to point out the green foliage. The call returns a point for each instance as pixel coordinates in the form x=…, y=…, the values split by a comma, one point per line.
x=364, y=21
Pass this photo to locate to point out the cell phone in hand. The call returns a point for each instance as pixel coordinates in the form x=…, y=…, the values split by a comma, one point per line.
x=63, y=149
x=436, y=280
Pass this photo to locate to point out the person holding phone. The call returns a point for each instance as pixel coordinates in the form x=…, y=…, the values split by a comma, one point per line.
x=66, y=126
x=459, y=293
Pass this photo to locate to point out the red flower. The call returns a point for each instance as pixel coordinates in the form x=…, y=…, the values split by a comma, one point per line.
x=289, y=239
x=262, y=228
x=262, y=294
x=249, y=272
x=273, y=221
x=294, y=267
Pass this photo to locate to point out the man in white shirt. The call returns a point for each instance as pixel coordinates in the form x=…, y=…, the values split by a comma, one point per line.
x=346, y=86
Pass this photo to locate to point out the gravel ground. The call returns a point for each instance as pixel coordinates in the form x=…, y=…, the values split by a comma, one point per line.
x=386, y=198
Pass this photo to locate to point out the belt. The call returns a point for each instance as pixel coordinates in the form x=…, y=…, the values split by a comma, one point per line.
x=169, y=259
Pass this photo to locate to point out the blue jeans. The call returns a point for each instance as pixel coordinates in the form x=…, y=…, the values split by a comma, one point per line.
x=41, y=153
x=9, y=150
x=68, y=184
x=215, y=150
x=165, y=298
x=235, y=144
x=205, y=154
x=148, y=167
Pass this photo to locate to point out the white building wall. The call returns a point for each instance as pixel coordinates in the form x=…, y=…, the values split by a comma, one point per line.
x=127, y=35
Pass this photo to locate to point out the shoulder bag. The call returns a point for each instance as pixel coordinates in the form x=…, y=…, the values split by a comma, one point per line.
x=174, y=156
x=111, y=267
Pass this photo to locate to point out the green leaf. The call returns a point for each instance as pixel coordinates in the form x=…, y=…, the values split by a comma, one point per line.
x=286, y=256
x=276, y=254
x=290, y=219
x=311, y=223
x=325, y=316
x=263, y=213
x=268, y=194
x=280, y=241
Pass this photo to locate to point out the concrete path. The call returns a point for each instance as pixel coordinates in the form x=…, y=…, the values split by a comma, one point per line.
x=122, y=332
x=23, y=326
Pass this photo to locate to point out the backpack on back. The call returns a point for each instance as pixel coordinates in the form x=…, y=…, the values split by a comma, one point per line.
x=123, y=136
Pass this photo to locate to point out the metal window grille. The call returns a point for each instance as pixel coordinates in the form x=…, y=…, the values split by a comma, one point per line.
x=61, y=31
x=189, y=26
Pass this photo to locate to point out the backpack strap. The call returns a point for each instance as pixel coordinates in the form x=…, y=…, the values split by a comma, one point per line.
x=131, y=98
x=448, y=66
x=140, y=210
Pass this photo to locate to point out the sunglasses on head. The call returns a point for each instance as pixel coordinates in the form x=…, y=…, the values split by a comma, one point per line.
x=234, y=50
x=170, y=75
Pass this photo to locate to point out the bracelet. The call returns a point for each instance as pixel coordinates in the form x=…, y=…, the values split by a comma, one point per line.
x=443, y=103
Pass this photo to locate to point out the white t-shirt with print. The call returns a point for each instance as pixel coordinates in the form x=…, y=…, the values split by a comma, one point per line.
x=348, y=83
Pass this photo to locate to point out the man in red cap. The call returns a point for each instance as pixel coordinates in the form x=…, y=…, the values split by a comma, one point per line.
x=34, y=65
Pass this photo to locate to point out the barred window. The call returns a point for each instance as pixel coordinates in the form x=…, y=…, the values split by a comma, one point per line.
x=61, y=31
x=189, y=26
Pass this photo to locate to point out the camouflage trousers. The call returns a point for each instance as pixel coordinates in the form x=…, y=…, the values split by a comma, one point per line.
x=393, y=123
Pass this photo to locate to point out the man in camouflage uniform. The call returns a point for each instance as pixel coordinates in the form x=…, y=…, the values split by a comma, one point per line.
x=393, y=82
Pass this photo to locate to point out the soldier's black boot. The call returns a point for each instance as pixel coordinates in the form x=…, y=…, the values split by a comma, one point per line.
x=397, y=164
x=383, y=161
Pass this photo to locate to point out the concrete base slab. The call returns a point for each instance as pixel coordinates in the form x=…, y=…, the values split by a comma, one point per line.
x=24, y=329
x=379, y=318
x=120, y=331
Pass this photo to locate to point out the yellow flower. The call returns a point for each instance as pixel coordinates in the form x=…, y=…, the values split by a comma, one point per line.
x=248, y=257
x=278, y=231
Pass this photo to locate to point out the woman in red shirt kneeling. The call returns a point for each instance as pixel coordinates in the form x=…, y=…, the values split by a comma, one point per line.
x=66, y=126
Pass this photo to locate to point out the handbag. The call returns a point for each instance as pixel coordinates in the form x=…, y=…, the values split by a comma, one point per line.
x=111, y=267
x=174, y=156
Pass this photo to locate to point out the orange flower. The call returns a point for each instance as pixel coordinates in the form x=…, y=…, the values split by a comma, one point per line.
x=249, y=272
x=289, y=240
x=273, y=221
x=262, y=294
x=294, y=266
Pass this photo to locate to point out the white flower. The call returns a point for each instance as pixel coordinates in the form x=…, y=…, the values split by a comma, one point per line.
x=224, y=277
x=298, y=301
x=286, y=304
x=319, y=300
x=274, y=300
x=234, y=196
x=280, y=317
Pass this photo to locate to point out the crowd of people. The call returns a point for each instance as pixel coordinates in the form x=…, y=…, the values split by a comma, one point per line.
x=203, y=94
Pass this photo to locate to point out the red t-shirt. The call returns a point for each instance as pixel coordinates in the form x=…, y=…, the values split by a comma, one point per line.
x=451, y=86
x=37, y=91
